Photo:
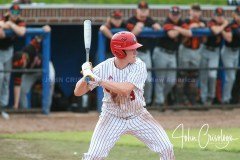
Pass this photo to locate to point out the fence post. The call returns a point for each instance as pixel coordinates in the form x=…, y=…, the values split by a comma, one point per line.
x=45, y=77
x=100, y=57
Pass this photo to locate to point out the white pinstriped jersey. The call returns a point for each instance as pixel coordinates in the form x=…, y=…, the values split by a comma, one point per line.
x=136, y=74
x=126, y=115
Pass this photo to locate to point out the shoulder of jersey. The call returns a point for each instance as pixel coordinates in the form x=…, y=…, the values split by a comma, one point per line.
x=138, y=62
x=107, y=61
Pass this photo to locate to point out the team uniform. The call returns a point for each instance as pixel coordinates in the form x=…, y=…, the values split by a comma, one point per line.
x=125, y=114
x=210, y=58
x=190, y=57
x=6, y=53
x=164, y=56
x=31, y=53
x=230, y=58
x=144, y=53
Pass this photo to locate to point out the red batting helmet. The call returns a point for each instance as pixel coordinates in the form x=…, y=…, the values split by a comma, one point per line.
x=123, y=41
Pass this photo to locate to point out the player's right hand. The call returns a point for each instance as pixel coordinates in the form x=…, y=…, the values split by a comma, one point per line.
x=90, y=77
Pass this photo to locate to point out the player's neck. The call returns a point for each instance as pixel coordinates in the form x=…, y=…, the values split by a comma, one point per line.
x=120, y=63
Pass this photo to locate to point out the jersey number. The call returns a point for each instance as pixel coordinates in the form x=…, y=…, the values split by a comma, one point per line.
x=132, y=95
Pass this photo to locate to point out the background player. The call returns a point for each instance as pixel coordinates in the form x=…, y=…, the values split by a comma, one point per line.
x=164, y=55
x=122, y=79
x=230, y=55
x=11, y=20
x=211, y=53
x=190, y=57
x=136, y=24
x=114, y=21
x=30, y=58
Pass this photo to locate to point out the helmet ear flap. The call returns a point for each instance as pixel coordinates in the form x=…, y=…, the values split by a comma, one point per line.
x=119, y=54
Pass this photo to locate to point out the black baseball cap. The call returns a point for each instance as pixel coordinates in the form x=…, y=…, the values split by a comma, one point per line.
x=196, y=7
x=143, y=5
x=219, y=12
x=117, y=14
x=15, y=9
x=237, y=10
x=175, y=10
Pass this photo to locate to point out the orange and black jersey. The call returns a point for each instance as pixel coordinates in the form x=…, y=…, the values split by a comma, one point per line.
x=32, y=56
x=214, y=40
x=192, y=42
x=8, y=41
x=235, y=28
x=146, y=42
x=112, y=26
x=167, y=42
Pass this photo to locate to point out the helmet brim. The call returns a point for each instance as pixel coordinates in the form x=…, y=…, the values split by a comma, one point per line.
x=135, y=46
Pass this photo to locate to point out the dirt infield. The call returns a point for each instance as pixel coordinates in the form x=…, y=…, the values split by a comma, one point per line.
x=84, y=122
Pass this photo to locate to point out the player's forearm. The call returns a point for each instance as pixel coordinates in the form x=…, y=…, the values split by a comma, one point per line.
x=121, y=88
x=217, y=29
x=156, y=26
x=173, y=34
x=17, y=90
x=81, y=88
x=19, y=30
x=2, y=33
x=227, y=36
x=106, y=31
x=136, y=30
x=184, y=32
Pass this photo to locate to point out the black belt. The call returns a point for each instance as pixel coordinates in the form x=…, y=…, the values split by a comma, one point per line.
x=169, y=51
x=211, y=48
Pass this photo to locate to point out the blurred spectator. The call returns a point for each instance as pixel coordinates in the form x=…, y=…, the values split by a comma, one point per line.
x=30, y=58
x=21, y=1
x=211, y=54
x=136, y=24
x=233, y=2
x=189, y=57
x=115, y=20
x=11, y=20
x=230, y=56
x=164, y=55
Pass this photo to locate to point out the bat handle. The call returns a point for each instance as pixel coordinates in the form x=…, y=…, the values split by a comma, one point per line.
x=87, y=54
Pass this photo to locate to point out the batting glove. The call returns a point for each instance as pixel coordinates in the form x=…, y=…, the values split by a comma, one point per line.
x=86, y=66
x=89, y=76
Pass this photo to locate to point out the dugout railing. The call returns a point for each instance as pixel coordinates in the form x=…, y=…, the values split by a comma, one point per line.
x=46, y=47
x=148, y=32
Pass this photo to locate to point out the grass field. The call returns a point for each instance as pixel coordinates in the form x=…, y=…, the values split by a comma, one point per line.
x=71, y=145
x=215, y=2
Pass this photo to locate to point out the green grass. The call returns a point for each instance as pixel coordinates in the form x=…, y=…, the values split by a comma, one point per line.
x=63, y=145
x=215, y=2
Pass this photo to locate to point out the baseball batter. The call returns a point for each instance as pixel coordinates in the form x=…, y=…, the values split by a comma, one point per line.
x=122, y=78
